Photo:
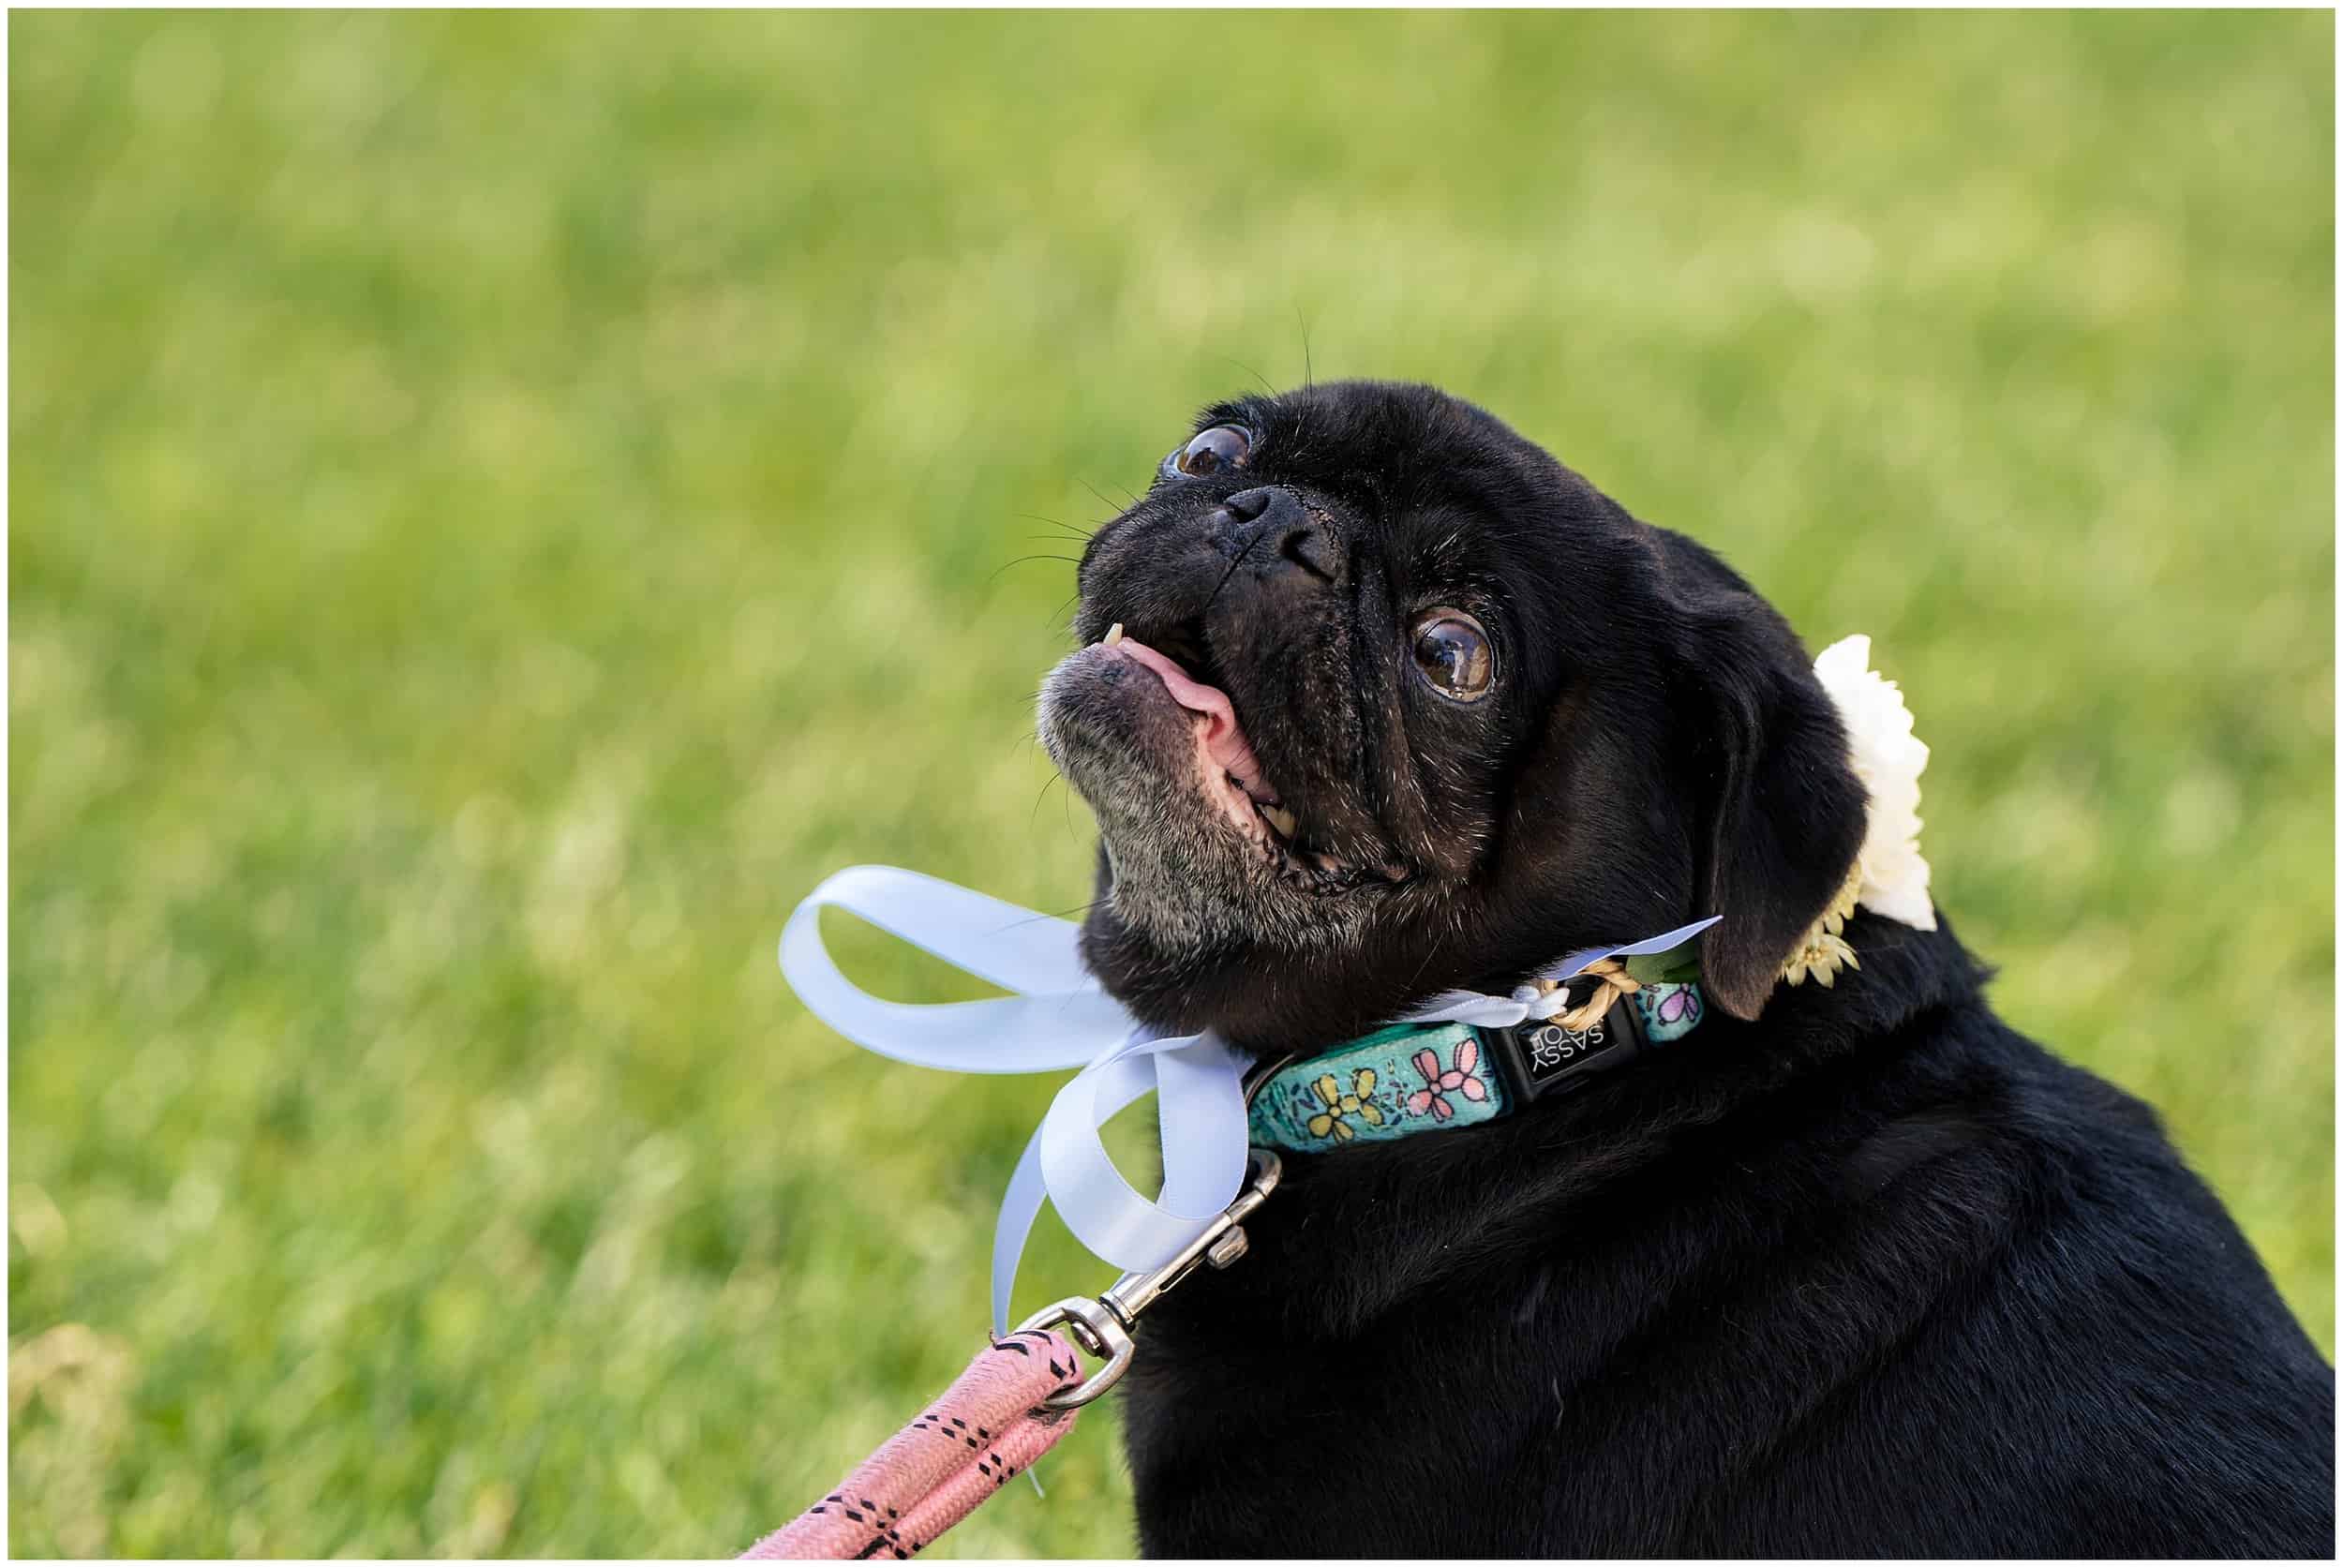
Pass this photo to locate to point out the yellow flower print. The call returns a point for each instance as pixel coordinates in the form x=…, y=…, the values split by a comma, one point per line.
x=1360, y=1102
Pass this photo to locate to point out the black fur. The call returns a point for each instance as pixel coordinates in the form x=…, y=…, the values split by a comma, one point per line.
x=1848, y=1272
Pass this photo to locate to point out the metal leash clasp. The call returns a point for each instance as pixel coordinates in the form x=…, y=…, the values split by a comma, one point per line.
x=1102, y=1324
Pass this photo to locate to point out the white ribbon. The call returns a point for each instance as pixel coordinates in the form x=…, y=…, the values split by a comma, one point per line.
x=1058, y=1018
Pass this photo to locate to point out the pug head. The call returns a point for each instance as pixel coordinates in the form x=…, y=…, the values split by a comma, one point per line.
x=1375, y=699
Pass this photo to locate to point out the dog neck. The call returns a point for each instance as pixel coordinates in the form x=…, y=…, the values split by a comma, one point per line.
x=1584, y=1164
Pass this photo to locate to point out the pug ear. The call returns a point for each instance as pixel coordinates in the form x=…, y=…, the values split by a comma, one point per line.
x=1780, y=813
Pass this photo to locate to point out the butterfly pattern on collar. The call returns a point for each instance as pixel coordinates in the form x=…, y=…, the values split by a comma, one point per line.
x=1414, y=1078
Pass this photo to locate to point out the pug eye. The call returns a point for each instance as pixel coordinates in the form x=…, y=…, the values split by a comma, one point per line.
x=1452, y=654
x=1214, y=451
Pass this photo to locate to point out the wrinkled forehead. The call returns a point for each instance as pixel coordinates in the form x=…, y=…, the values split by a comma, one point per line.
x=1437, y=488
x=1398, y=441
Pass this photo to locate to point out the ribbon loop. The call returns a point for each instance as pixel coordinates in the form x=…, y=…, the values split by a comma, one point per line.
x=1056, y=1022
x=1057, y=1017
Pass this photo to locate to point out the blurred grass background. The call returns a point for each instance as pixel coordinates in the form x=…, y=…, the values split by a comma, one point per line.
x=502, y=503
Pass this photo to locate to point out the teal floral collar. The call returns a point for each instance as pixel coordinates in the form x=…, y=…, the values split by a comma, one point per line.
x=1415, y=1077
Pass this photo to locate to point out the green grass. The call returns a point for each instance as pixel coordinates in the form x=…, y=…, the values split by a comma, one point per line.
x=501, y=504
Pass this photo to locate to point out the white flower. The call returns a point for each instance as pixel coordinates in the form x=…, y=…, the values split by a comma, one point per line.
x=1887, y=757
x=1823, y=956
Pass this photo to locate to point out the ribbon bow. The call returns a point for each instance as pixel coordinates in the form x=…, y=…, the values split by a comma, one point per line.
x=1059, y=1018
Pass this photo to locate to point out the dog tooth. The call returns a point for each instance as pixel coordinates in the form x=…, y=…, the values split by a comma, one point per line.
x=1115, y=633
x=1279, y=818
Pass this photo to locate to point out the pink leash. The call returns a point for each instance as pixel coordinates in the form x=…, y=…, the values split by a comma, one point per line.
x=1011, y=1406
x=989, y=1426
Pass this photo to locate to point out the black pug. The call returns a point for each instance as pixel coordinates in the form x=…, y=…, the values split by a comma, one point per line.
x=1854, y=1271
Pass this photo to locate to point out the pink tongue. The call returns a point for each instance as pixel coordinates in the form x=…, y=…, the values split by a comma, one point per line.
x=1223, y=739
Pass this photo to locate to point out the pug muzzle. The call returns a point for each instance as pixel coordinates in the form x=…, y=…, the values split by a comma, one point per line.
x=1376, y=699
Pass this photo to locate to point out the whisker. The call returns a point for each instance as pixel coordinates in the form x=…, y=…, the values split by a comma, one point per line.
x=1250, y=371
x=1057, y=523
x=1021, y=560
x=1105, y=502
x=1056, y=914
x=1039, y=798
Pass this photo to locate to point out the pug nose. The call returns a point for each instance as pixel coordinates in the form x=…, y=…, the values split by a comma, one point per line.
x=1270, y=526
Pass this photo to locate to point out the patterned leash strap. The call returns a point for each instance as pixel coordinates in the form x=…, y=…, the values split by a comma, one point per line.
x=992, y=1423
x=1011, y=1406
